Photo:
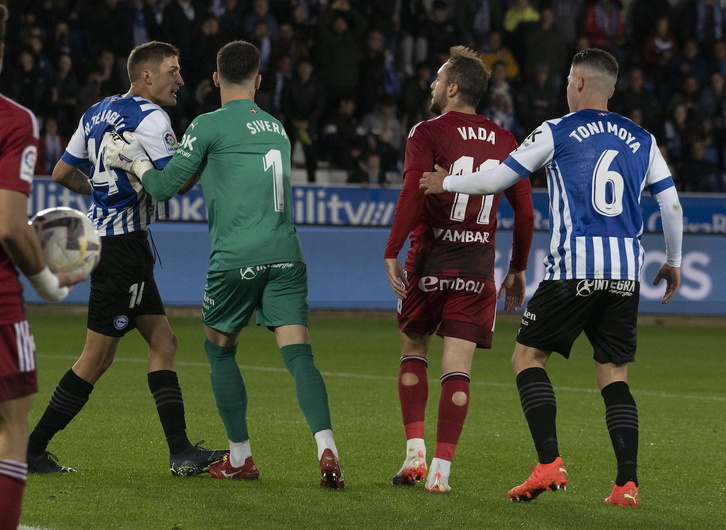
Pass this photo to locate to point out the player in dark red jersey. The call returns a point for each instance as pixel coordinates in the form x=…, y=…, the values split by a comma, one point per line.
x=19, y=247
x=447, y=286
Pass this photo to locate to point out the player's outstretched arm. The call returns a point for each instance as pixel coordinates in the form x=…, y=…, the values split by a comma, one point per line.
x=396, y=277
x=672, y=276
x=485, y=182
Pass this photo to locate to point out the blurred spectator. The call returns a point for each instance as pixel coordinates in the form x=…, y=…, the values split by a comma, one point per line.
x=26, y=83
x=372, y=72
x=659, y=49
x=637, y=96
x=688, y=95
x=497, y=83
x=712, y=112
x=58, y=41
x=102, y=81
x=605, y=28
x=537, y=100
x=147, y=16
x=569, y=16
x=260, y=12
x=680, y=128
x=368, y=170
x=230, y=20
x=35, y=42
x=438, y=32
x=340, y=29
x=410, y=15
x=384, y=134
x=288, y=45
x=545, y=45
x=699, y=174
x=416, y=97
x=343, y=140
x=180, y=26
x=110, y=25
x=519, y=20
x=702, y=21
x=501, y=112
x=210, y=40
x=50, y=147
x=494, y=50
x=475, y=19
x=303, y=102
x=64, y=94
x=304, y=20
x=719, y=57
x=690, y=63
x=643, y=17
x=261, y=37
x=382, y=17
x=269, y=96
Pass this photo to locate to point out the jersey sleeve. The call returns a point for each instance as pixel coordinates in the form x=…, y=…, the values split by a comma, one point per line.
x=76, y=153
x=519, y=197
x=18, y=155
x=535, y=152
x=156, y=135
x=419, y=158
x=659, y=176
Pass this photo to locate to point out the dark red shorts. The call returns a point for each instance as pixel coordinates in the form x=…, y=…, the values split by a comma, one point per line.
x=463, y=308
x=18, y=377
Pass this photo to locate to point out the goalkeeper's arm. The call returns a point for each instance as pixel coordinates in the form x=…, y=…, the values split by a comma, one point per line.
x=128, y=154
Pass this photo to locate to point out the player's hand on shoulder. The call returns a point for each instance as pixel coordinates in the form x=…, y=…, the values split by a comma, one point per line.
x=125, y=153
x=433, y=181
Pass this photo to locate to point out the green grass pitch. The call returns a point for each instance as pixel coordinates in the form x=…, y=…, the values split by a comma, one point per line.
x=123, y=482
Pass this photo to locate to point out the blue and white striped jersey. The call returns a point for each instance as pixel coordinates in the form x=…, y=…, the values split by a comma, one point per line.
x=120, y=203
x=597, y=164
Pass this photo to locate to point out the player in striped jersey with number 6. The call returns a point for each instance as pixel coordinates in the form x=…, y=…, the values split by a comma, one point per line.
x=597, y=164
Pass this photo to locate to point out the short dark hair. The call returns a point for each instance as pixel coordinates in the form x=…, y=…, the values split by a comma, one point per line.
x=598, y=59
x=238, y=61
x=148, y=54
x=3, y=17
x=468, y=71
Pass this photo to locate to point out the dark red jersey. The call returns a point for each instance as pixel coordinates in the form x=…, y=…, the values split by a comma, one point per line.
x=453, y=234
x=18, y=152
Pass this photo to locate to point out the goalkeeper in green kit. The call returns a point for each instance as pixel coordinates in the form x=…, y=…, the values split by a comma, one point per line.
x=242, y=156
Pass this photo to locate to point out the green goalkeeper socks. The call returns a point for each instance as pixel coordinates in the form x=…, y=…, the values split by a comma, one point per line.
x=311, y=394
x=229, y=390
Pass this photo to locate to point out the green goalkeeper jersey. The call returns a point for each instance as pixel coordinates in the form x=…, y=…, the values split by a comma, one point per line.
x=243, y=156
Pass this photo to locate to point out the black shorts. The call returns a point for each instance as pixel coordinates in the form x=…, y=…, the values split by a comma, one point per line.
x=123, y=286
x=607, y=310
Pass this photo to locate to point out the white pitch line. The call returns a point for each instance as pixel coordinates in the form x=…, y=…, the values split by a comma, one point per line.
x=649, y=393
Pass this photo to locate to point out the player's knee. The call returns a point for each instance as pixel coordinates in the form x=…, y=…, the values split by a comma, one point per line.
x=459, y=398
x=409, y=379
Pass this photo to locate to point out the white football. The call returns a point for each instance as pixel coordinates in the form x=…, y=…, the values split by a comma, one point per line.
x=69, y=240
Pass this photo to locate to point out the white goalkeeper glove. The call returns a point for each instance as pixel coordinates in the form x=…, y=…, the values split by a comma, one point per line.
x=126, y=153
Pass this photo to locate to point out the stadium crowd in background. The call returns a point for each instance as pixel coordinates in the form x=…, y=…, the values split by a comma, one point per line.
x=65, y=55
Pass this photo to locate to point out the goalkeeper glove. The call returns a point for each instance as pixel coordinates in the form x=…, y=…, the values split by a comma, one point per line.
x=126, y=153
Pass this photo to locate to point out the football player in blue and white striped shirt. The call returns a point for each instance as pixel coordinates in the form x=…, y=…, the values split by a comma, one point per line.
x=124, y=294
x=597, y=164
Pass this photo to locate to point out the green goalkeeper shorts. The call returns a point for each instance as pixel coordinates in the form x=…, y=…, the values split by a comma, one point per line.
x=277, y=292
